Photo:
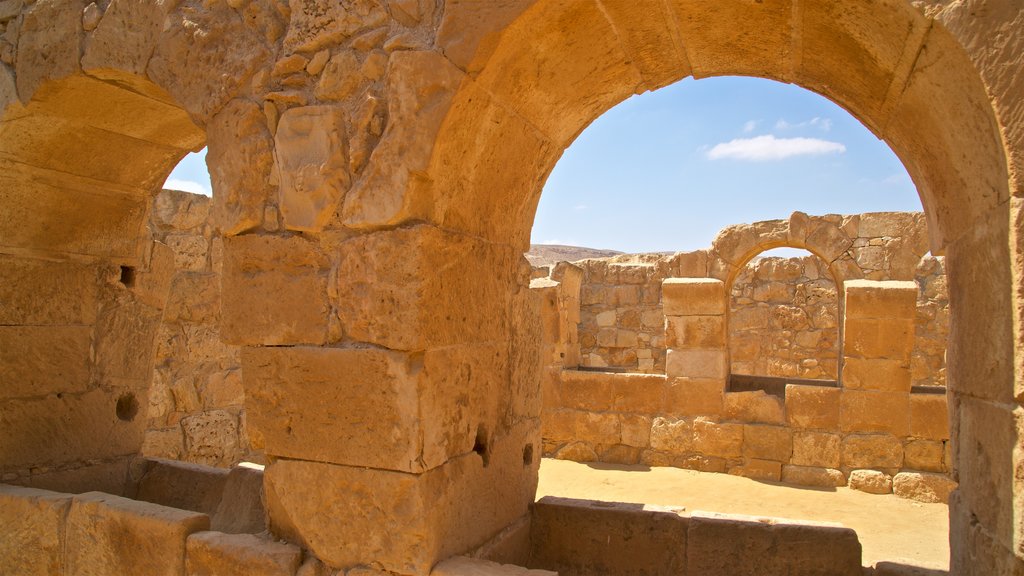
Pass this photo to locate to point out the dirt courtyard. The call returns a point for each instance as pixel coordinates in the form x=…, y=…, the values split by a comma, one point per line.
x=890, y=529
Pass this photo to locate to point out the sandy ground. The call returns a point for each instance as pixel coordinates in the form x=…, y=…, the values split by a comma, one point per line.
x=890, y=528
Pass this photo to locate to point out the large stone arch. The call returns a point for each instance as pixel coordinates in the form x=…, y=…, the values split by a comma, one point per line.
x=538, y=73
x=384, y=277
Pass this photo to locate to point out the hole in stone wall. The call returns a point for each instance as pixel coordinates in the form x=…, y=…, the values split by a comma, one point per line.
x=481, y=446
x=527, y=454
x=127, y=407
x=127, y=276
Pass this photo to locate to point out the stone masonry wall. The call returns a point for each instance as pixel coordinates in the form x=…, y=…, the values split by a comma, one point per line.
x=784, y=319
x=620, y=297
x=196, y=403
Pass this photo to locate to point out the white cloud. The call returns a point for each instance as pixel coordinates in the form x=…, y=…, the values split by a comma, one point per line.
x=762, y=148
x=559, y=242
x=188, y=186
x=823, y=124
x=750, y=125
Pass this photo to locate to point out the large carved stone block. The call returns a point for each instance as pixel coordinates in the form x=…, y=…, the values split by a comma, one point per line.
x=219, y=554
x=312, y=160
x=693, y=297
x=32, y=543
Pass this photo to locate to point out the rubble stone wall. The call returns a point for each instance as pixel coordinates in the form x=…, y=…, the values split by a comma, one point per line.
x=196, y=410
x=784, y=312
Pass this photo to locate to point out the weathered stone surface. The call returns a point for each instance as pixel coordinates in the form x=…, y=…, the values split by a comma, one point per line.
x=41, y=360
x=695, y=331
x=870, y=411
x=33, y=539
x=758, y=469
x=315, y=25
x=871, y=481
x=695, y=363
x=211, y=438
x=876, y=374
x=813, y=476
x=755, y=406
x=403, y=522
x=241, y=509
x=768, y=442
x=420, y=89
x=312, y=160
x=923, y=486
x=872, y=299
x=712, y=439
x=891, y=338
x=929, y=416
x=695, y=397
x=577, y=452
x=871, y=451
x=730, y=544
x=927, y=455
x=240, y=158
x=693, y=297
x=182, y=485
x=580, y=536
x=816, y=449
x=39, y=292
x=812, y=407
x=112, y=535
x=219, y=554
x=272, y=303
x=49, y=44
x=427, y=270
x=671, y=437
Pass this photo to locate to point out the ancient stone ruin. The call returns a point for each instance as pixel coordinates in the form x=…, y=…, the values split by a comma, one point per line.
x=366, y=154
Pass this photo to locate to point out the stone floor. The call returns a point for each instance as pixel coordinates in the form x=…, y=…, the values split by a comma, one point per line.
x=891, y=529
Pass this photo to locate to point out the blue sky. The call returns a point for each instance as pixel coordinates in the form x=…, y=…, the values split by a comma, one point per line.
x=666, y=170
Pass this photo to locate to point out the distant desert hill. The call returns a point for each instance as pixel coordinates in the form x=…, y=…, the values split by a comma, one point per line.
x=548, y=254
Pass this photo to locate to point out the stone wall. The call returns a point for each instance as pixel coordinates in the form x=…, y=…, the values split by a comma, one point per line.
x=196, y=403
x=784, y=319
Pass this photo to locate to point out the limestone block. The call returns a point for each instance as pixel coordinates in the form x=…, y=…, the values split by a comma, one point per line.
x=700, y=463
x=193, y=297
x=433, y=273
x=211, y=438
x=671, y=437
x=813, y=476
x=163, y=443
x=929, y=416
x=110, y=476
x=420, y=88
x=695, y=332
x=696, y=363
x=278, y=288
x=577, y=452
x=693, y=297
x=223, y=389
x=655, y=458
x=757, y=469
x=402, y=522
x=819, y=449
x=639, y=394
x=634, y=430
x=879, y=338
x=925, y=455
x=618, y=454
x=559, y=425
x=584, y=537
x=72, y=427
x=219, y=554
x=190, y=251
x=369, y=397
x=768, y=442
x=465, y=566
x=241, y=509
x=315, y=25
x=733, y=544
x=814, y=407
x=713, y=439
x=240, y=158
x=40, y=292
x=312, y=160
x=876, y=374
x=754, y=406
x=582, y=390
x=182, y=485
x=597, y=428
x=872, y=299
x=871, y=481
x=870, y=411
x=923, y=486
x=644, y=38
x=113, y=535
x=123, y=341
x=33, y=539
x=695, y=397
x=204, y=58
x=41, y=360
x=48, y=44
x=871, y=451
x=125, y=38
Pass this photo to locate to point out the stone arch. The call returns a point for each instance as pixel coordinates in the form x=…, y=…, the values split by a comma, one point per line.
x=538, y=74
